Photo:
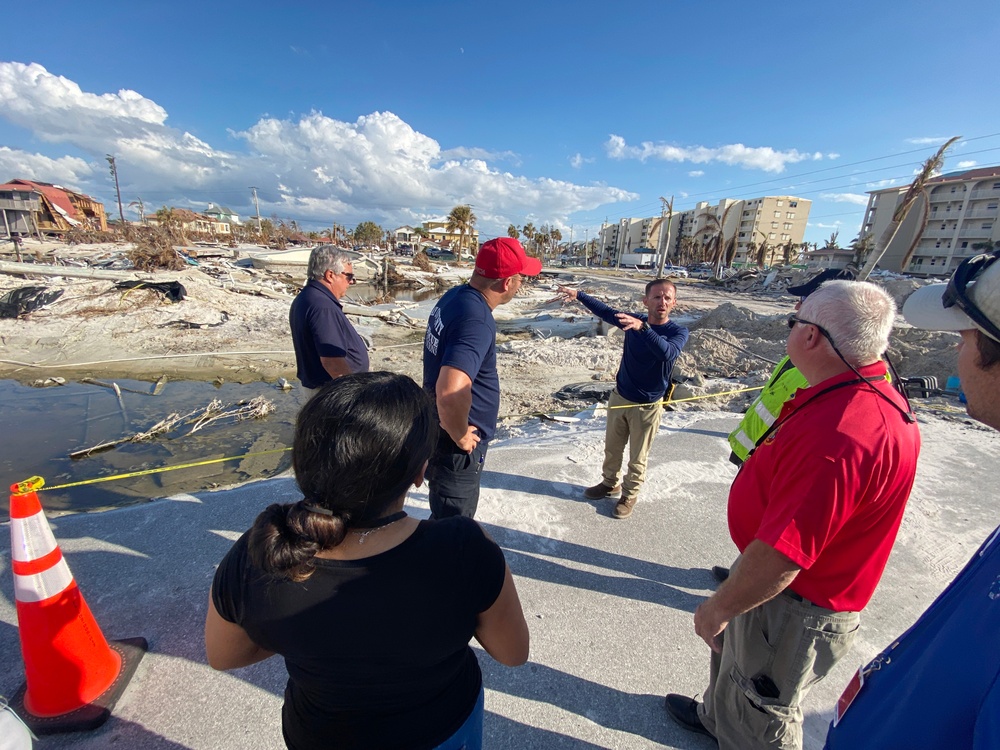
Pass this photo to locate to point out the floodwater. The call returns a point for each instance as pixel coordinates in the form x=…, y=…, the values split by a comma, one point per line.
x=40, y=427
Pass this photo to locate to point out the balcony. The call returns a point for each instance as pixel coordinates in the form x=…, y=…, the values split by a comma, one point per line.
x=981, y=213
x=943, y=196
x=976, y=232
x=939, y=232
x=981, y=194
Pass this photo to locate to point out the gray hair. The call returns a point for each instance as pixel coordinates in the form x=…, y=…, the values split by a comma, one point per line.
x=858, y=315
x=325, y=258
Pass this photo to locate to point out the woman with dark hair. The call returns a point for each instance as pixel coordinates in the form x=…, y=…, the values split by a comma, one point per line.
x=371, y=609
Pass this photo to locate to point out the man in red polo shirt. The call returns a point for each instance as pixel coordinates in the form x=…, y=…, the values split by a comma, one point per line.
x=814, y=511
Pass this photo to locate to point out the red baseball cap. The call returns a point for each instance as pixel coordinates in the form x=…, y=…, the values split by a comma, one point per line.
x=504, y=257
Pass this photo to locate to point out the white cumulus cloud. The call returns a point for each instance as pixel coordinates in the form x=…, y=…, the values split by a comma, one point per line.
x=934, y=140
x=764, y=158
x=856, y=198
x=696, y=173
x=68, y=171
x=966, y=164
x=305, y=167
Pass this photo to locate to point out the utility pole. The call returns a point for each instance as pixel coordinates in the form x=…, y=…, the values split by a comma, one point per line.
x=603, y=223
x=257, y=208
x=586, y=241
x=118, y=192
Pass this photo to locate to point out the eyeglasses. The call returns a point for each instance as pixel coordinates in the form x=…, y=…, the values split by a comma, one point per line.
x=956, y=294
x=793, y=319
x=349, y=277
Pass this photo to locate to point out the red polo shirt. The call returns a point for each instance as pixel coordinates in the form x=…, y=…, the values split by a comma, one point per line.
x=827, y=489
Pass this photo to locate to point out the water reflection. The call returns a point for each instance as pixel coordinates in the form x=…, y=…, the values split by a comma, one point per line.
x=42, y=426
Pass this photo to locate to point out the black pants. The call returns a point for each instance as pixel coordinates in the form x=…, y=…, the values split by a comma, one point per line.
x=453, y=478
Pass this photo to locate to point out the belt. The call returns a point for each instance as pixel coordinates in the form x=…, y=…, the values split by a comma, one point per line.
x=799, y=598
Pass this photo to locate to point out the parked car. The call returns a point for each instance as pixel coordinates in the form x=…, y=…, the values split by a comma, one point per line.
x=678, y=271
x=700, y=271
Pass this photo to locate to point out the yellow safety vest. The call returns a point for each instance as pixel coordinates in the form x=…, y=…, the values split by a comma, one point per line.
x=784, y=381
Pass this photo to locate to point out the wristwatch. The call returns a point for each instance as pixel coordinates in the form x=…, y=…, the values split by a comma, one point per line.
x=644, y=327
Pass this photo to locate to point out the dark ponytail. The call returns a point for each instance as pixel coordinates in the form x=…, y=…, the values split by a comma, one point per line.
x=359, y=443
x=284, y=539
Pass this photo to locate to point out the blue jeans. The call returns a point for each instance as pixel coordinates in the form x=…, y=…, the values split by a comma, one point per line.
x=453, y=478
x=470, y=735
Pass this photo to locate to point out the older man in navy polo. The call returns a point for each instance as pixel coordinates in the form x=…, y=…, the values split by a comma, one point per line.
x=326, y=344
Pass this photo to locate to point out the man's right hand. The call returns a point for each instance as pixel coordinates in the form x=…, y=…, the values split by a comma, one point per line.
x=469, y=440
x=566, y=293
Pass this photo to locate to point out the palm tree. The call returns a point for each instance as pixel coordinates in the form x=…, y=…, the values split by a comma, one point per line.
x=916, y=189
x=718, y=249
x=512, y=232
x=555, y=236
x=862, y=246
x=461, y=220
x=167, y=217
x=528, y=230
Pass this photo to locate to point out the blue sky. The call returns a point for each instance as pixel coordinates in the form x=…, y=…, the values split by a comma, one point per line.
x=559, y=113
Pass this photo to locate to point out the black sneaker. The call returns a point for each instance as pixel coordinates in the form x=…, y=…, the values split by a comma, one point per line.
x=684, y=711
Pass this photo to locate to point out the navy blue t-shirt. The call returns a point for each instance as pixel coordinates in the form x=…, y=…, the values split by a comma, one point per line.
x=648, y=357
x=461, y=333
x=320, y=329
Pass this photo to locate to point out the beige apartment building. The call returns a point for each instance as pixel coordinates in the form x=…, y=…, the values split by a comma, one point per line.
x=778, y=219
x=630, y=236
x=958, y=213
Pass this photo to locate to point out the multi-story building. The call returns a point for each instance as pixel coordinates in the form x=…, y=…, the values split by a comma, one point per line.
x=955, y=217
x=438, y=232
x=775, y=219
x=221, y=214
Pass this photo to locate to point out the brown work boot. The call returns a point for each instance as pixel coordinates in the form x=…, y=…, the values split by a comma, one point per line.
x=623, y=508
x=601, y=490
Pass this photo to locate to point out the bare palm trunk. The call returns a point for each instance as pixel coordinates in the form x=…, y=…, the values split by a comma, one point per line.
x=915, y=190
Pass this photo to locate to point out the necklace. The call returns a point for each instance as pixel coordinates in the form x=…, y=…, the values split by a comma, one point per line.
x=381, y=523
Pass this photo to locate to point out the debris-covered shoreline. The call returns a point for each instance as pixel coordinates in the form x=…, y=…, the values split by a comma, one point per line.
x=232, y=324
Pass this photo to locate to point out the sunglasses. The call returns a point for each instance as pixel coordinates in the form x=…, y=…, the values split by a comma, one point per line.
x=349, y=277
x=956, y=293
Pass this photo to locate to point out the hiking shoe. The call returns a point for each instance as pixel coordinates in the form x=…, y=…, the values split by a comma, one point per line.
x=623, y=508
x=720, y=573
x=684, y=711
x=601, y=490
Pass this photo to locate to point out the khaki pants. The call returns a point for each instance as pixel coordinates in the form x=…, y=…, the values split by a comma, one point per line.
x=635, y=426
x=770, y=658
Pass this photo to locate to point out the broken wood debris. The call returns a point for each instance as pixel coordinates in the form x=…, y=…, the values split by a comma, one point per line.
x=214, y=413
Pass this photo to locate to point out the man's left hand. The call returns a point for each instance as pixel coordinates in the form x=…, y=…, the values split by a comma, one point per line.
x=709, y=625
x=628, y=323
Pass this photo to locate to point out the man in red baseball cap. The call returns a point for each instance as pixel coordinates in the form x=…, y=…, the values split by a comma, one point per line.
x=460, y=373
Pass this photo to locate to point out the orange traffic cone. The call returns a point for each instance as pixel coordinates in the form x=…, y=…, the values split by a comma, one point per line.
x=73, y=676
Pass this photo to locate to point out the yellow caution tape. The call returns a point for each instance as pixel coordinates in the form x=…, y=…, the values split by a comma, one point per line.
x=146, y=472
x=36, y=483
x=28, y=485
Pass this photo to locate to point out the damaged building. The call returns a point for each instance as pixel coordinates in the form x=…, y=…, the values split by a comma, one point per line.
x=40, y=208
